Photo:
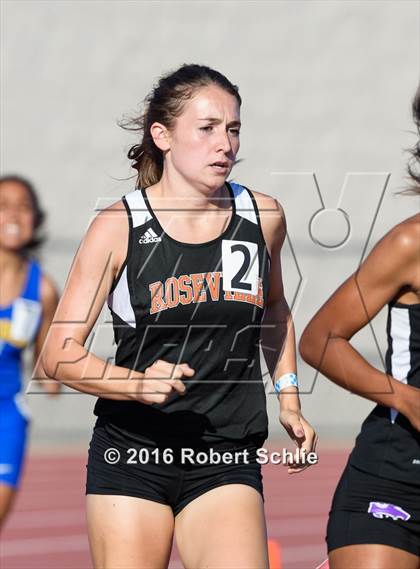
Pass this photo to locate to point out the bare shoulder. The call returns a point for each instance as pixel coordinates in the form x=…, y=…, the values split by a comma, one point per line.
x=407, y=233
x=106, y=239
x=394, y=262
x=112, y=218
x=403, y=240
x=268, y=206
x=273, y=221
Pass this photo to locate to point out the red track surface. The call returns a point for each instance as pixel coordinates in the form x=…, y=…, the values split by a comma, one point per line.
x=47, y=527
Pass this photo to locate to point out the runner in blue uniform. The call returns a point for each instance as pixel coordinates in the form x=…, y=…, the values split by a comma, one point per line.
x=28, y=300
x=190, y=266
x=374, y=521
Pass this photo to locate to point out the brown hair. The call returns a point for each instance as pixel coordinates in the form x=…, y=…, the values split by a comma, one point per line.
x=414, y=162
x=164, y=104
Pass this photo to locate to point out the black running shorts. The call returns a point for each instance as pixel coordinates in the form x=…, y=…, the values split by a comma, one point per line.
x=168, y=475
x=367, y=509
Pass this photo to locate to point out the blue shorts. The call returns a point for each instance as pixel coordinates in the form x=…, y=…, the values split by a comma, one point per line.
x=14, y=420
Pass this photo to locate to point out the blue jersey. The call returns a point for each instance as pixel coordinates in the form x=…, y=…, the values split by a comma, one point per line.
x=19, y=324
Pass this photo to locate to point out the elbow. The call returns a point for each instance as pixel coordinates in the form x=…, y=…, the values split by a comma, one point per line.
x=311, y=346
x=306, y=347
x=49, y=364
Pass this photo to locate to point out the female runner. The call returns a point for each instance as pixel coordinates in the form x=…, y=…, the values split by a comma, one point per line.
x=28, y=300
x=375, y=516
x=184, y=263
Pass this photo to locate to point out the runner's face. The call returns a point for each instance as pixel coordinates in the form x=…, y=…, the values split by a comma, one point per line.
x=16, y=216
x=205, y=139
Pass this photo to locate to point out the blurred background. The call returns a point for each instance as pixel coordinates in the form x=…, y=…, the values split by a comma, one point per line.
x=326, y=89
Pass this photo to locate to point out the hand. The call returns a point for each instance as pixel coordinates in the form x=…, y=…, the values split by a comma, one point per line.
x=160, y=380
x=303, y=435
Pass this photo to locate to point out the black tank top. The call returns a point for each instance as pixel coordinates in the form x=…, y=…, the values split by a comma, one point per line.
x=388, y=445
x=201, y=304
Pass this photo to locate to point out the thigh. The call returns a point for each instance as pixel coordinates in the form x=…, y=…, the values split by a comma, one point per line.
x=128, y=533
x=223, y=528
x=372, y=556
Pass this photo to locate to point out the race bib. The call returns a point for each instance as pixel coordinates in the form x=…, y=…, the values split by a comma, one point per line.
x=240, y=265
x=25, y=319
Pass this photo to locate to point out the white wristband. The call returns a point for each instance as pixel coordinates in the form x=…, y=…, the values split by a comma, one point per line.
x=286, y=380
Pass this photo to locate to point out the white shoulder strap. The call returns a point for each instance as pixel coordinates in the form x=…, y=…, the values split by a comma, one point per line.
x=138, y=208
x=243, y=202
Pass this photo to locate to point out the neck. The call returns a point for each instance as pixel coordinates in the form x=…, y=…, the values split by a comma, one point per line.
x=10, y=260
x=177, y=191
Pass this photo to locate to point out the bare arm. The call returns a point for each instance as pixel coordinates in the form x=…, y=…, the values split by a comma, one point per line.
x=278, y=333
x=49, y=301
x=325, y=343
x=65, y=357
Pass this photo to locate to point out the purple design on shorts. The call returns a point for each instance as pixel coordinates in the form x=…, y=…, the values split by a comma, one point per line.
x=382, y=510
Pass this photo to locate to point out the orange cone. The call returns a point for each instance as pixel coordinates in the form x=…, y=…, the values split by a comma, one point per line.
x=274, y=554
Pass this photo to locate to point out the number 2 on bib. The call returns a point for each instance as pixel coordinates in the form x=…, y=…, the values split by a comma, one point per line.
x=240, y=266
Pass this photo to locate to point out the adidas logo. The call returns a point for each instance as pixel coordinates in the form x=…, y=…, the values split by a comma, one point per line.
x=149, y=237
